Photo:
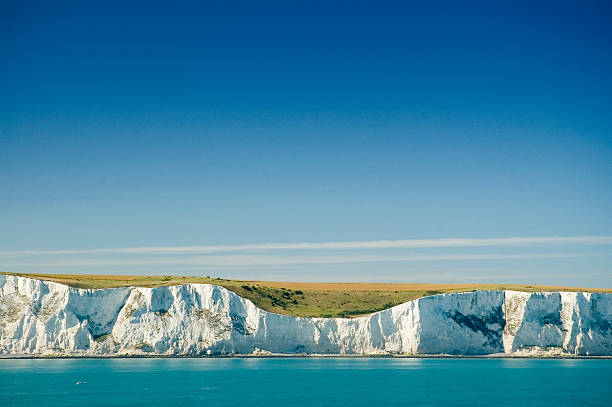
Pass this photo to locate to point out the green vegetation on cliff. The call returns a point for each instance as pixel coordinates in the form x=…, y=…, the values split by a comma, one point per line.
x=299, y=298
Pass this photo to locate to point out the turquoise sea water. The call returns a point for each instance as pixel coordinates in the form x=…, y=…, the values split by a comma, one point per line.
x=305, y=382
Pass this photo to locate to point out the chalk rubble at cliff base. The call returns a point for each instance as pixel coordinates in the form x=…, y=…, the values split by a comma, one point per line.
x=45, y=318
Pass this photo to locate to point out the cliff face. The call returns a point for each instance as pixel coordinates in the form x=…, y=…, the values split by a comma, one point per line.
x=45, y=318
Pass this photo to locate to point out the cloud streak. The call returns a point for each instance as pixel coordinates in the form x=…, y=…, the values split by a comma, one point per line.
x=350, y=245
x=266, y=260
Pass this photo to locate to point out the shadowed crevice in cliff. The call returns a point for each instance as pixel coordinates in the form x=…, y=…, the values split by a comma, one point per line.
x=601, y=323
x=37, y=306
x=161, y=300
x=483, y=325
x=239, y=324
x=99, y=310
x=554, y=318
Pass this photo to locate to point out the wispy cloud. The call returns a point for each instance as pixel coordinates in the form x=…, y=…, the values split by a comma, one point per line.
x=350, y=245
x=273, y=260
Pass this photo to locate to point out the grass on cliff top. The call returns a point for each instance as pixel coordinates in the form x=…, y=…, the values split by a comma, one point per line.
x=300, y=299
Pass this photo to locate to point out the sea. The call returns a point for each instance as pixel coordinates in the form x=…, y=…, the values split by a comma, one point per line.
x=305, y=381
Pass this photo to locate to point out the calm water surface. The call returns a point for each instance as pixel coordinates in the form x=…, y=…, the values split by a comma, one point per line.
x=304, y=382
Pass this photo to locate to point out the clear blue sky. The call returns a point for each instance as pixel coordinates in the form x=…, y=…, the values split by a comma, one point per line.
x=129, y=125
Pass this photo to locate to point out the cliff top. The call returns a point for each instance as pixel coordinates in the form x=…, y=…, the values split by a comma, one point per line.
x=300, y=298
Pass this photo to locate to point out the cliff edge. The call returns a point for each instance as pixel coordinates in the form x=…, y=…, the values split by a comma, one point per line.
x=50, y=319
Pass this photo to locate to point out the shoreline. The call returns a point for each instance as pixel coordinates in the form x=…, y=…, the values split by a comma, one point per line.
x=302, y=356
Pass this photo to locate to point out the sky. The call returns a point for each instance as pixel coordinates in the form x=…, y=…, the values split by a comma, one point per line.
x=404, y=142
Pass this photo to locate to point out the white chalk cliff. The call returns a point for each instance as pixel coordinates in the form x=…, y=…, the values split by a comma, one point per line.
x=46, y=318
